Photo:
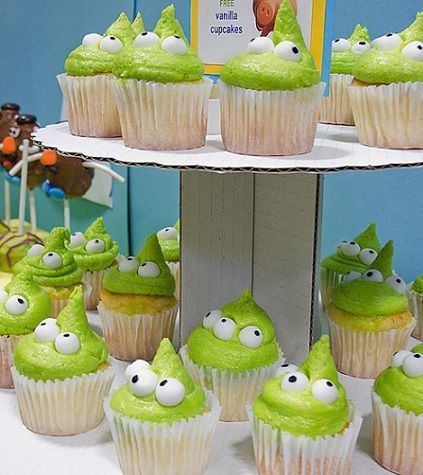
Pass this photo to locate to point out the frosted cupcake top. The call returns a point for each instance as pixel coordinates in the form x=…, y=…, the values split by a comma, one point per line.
x=280, y=63
x=418, y=285
x=237, y=337
x=345, y=52
x=169, y=242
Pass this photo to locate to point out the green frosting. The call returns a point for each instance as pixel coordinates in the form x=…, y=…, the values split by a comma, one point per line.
x=300, y=413
x=166, y=364
x=41, y=361
x=386, y=67
x=206, y=349
x=153, y=63
x=170, y=247
x=418, y=285
x=96, y=261
x=138, y=25
x=268, y=71
x=133, y=283
x=343, y=62
x=396, y=388
x=39, y=306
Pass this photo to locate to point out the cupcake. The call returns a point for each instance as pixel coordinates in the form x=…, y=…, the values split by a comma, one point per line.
x=336, y=108
x=161, y=421
x=416, y=298
x=138, y=307
x=169, y=243
x=397, y=400
x=302, y=422
x=23, y=305
x=61, y=373
x=387, y=92
x=369, y=318
x=233, y=354
x=271, y=95
x=350, y=256
x=94, y=252
x=85, y=84
x=160, y=91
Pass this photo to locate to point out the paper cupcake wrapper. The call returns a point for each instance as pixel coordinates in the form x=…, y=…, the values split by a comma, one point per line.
x=91, y=108
x=7, y=345
x=365, y=354
x=66, y=407
x=131, y=337
x=94, y=281
x=233, y=389
x=157, y=116
x=58, y=305
x=181, y=448
x=269, y=122
x=388, y=116
x=336, y=108
x=416, y=303
x=280, y=453
x=175, y=268
x=329, y=279
x=397, y=438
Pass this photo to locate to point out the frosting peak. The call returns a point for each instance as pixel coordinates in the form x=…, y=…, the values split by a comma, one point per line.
x=345, y=53
x=138, y=24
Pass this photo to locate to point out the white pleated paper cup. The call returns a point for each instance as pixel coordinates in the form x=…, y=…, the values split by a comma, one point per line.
x=175, y=268
x=397, y=438
x=416, y=303
x=94, y=281
x=364, y=354
x=233, y=389
x=336, y=108
x=281, y=453
x=132, y=337
x=67, y=407
x=7, y=345
x=181, y=448
x=157, y=116
x=389, y=116
x=269, y=122
x=329, y=279
x=91, y=108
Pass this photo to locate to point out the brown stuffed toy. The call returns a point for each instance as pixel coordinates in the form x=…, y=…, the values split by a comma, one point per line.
x=265, y=13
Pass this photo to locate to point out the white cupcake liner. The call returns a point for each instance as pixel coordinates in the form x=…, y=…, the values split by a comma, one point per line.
x=329, y=279
x=7, y=345
x=233, y=389
x=157, y=116
x=91, y=108
x=175, y=268
x=365, y=354
x=280, y=453
x=397, y=438
x=94, y=281
x=416, y=304
x=181, y=448
x=269, y=122
x=336, y=108
x=58, y=305
x=66, y=407
x=389, y=116
x=131, y=337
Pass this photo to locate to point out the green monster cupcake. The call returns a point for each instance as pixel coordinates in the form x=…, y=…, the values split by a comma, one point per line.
x=369, y=318
x=162, y=413
x=397, y=400
x=61, y=373
x=169, y=243
x=305, y=411
x=233, y=354
x=387, y=92
x=23, y=305
x=336, y=108
x=138, y=307
x=415, y=295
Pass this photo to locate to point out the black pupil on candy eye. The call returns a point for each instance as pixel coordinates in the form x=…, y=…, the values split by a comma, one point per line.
x=223, y=320
x=352, y=243
x=208, y=315
x=417, y=355
x=256, y=333
x=362, y=43
x=337, y=40
x=292, y=379
x=112, y=38
x=295, y=50
x=389, y=34
x=419, y=47
x=96, y=241
x=135, y=379
x=143, y=265
x=20, y=301
x=328, y=383
x=177, y=37
x=50, y=254
x=284, y=365
x=163, y=383
x=369, y=274
x=66, y=335
x=44, y=323
x=144, y=34
x=398, y=281
x=371, y=252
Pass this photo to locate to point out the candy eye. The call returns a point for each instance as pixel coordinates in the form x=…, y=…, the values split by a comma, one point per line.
x=414, y=51
x=149, y=269
x=251, y=337
x=373, y=275
x=397, y=283
x=211, y=318
x=288, y=51
x=350, y=276
x=340, y=44
x=3, y=295
x=324, y=390
x=387, y=42
x=224, y=328
x=367, y=256
x=260, y=45
x=413, y=365
x=399, y=357
x=349, y=249
x=14, y=132
x=174, y=45
x=35, y=250
x=77, y=239
x=95, y=246
x=128, y=264
x=67, y=343
x=47, y=330
x=170, y=392
x=136, y=367
x=111, y=45
x=52, y=260
x=16, y=305
x=146, y=39
x=294, y=382
x=360, y=47
x=167, y=234
x=91, y=39
x=144, y=382
x=285, y=368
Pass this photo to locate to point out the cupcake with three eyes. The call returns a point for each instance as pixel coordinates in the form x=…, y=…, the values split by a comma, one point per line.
x=161, y=421
x=387, y=92
x=169, y=243
x=415, y=294
x=138, y=307
x=397, y=400
x=302, y=422
x=271, y=94
x=336, y=108
x=233, y=353
x=369, y=318
x=61, y=373
x=94, y=252
x=23, y=305
x=160, y=90
x=351, y=256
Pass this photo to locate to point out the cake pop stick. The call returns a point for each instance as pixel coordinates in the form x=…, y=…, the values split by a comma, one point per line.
x=105, y=169
x=24, y=181
x=7, y=211
x=66, y=214
x=32, y=211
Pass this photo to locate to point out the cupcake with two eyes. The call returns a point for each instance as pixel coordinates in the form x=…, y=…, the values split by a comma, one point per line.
x=233, y=353
x=61, y=373
x=169, y=243
x=161, y=421
x=369, y=318
x=302, y=422
x=415, y=294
